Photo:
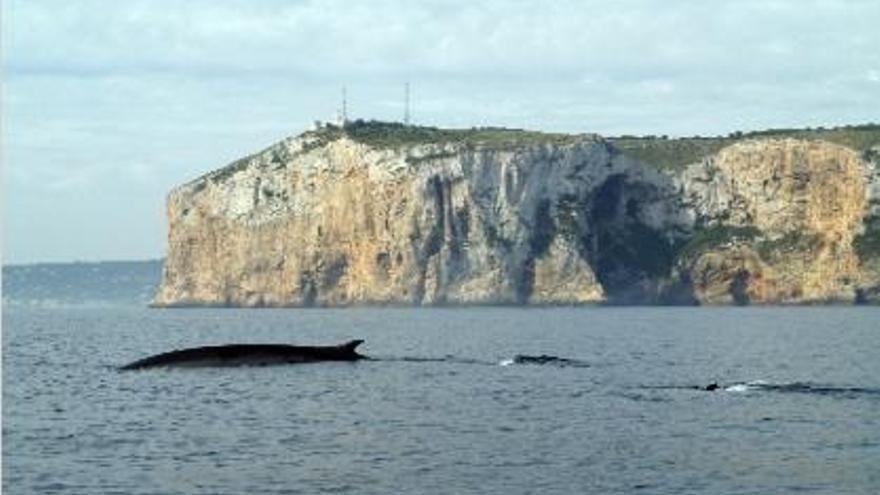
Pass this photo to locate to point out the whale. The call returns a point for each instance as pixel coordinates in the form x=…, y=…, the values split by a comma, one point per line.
x=248, y=355
x=543, y=359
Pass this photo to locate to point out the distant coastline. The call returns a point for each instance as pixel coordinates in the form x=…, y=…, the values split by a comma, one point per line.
x=93, y=283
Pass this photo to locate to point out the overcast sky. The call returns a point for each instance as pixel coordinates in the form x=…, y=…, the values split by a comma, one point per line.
x=107, y=105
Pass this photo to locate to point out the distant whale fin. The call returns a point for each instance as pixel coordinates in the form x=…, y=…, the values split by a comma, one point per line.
x=351, y=345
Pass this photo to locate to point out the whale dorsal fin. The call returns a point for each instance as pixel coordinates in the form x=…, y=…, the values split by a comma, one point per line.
x=351, y=345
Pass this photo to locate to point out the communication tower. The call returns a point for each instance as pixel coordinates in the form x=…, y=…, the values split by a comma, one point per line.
x=344, y=106
x=342, y=116
x=406, y=116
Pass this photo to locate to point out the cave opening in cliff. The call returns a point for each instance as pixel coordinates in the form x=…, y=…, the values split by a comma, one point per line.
x=628, y=256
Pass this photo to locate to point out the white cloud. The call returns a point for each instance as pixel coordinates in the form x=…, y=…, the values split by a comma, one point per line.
x=107, y=101
x=333, y=38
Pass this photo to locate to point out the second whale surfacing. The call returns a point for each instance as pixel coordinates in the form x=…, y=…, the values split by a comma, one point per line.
x=249, y=355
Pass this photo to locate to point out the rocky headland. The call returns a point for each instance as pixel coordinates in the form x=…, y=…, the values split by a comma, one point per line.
x=381, y=213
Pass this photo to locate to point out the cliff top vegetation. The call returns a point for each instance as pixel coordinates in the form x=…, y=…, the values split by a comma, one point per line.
x=660, y=151
x=675, y=153
x=395, y=135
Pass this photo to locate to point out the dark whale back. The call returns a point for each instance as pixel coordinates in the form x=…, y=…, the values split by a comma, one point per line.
x=249, y=354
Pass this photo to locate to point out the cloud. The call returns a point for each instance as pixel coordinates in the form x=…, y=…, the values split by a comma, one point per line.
x=459, y=39
x=108, y=101
x=471, y=52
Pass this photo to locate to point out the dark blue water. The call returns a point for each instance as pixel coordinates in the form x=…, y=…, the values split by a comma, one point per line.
x=437, y=413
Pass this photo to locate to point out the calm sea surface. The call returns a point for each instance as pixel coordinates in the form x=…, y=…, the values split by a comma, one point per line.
x=437, y=412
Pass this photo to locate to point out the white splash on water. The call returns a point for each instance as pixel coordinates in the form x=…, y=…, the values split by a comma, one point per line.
x=746, y=387
x=739, y=387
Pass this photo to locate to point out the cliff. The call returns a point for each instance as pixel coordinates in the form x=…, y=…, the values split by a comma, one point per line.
x=386, y=214
x=792, y=211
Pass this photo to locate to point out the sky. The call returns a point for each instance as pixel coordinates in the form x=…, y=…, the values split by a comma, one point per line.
x=108, y=105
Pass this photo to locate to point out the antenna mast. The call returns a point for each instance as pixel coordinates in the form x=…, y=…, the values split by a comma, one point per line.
x=344, y=116
x=406, y=116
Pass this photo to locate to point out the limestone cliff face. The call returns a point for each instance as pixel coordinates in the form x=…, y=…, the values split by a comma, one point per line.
x=867, y=242
x=337, y=223
x=793, y=210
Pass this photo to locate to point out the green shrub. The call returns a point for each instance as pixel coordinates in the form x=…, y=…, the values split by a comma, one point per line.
x=867, y=244
x=673, y=154
x=795, y=240
x=708, y=238
x=670, y=154
x=395, y=135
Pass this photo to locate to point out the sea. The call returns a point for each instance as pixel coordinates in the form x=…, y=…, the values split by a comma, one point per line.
x=477, y=400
